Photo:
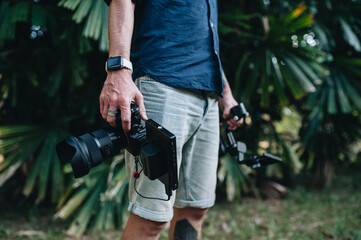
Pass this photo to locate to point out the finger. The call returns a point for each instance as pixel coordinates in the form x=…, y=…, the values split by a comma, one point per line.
x=102, y=107
x=237, y=123
x=227, y=114
x=125, y=115
x=231, y=125
x=110, y=118
x=105, y=111
x=232, y=128
x=140, y=103
x=101, y=104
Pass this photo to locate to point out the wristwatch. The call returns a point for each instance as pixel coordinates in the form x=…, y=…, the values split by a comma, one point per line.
x=116, y=63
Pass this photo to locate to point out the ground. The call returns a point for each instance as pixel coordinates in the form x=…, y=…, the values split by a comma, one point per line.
x=334, y=213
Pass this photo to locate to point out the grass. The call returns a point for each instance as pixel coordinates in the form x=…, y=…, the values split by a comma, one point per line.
x=334, y=213
x=303, y=215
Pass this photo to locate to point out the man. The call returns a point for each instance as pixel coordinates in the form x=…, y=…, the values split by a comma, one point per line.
x=178, y=82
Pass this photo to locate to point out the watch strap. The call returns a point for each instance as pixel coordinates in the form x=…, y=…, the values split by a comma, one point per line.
x=127, y=64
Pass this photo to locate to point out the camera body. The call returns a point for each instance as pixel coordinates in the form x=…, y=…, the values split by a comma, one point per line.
x=155, y=144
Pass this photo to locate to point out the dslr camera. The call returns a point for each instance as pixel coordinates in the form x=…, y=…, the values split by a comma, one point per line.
x=155, y=145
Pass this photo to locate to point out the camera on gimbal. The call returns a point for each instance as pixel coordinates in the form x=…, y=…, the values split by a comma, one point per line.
x=236, y=148
x=155, y=144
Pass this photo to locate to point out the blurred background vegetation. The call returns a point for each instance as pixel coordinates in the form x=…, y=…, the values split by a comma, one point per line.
x=295, y=64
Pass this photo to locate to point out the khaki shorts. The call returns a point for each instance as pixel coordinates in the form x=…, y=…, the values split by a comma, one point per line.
x=192, y=116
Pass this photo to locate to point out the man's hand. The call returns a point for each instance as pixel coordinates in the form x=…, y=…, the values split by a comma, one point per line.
x=226, y=104
x=118, y=92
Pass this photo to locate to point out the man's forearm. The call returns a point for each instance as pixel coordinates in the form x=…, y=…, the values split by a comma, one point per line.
x=226, y=88
x=121, y=22
x=119, y=89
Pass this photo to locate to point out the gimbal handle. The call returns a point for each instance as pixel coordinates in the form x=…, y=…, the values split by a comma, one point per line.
x=238, y=112
x=237, y=148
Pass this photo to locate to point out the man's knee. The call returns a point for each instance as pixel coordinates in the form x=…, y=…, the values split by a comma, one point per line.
x=198, y=213
x=190, y=213
x=151, y=228
x=154, y=228
x=138, y=226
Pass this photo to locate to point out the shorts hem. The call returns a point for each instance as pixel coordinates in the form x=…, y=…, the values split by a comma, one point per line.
x=148, y=214
x=196, y=204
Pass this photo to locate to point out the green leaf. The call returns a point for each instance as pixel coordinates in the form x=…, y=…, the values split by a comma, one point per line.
x=47, y=156
x=239, y=74
x=306, y=68
x=38, y=16
x=7, y=28
x=251, y=85
x=302, y=79
x=295, y=13
x=94, y=22
x=331, y=102
x=265, y=101
x=89, y=208
x=73, y=204
x=70, y=4
x=104, y=41
x=20, y=12
x=303, y=22
x=351, y=91
x=349, y=35
x=292, y=83
x=342, y=97
x=82, y=11
x=9, y=172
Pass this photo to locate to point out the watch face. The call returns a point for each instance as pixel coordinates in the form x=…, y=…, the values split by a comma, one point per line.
x=114, y=62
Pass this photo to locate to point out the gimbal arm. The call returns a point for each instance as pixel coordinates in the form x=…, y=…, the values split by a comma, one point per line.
x=236, y=148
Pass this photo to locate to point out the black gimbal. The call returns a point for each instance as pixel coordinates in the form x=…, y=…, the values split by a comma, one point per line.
x=236, y=148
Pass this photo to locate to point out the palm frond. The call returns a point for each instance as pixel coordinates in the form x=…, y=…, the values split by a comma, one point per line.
x=95, y=15
x=32, y=146
x=98, y=200
x=233, y=177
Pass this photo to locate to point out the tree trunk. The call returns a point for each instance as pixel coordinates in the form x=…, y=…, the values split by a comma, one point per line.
x=323, y=172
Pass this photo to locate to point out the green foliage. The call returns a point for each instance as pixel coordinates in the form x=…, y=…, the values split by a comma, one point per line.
x=293, y=54
x=98, y=200
x=47, y=88
x=278, y=64
x=95, y=14
x=19, y=143
x=332, y=117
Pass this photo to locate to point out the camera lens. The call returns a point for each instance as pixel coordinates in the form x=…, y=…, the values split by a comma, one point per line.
x=90, y=149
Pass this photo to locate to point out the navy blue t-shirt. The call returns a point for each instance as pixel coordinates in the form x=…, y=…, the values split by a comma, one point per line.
x=176, y=43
